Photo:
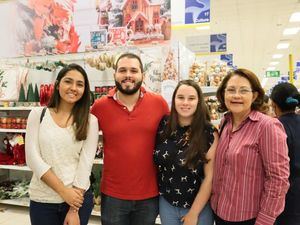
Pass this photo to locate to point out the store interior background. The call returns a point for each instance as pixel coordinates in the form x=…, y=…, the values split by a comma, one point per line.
x=254, y=28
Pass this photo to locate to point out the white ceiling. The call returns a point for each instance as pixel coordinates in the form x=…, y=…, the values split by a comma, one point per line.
x=254, y=28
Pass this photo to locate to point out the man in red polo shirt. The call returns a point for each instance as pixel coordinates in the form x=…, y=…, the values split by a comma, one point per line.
x=128, y=117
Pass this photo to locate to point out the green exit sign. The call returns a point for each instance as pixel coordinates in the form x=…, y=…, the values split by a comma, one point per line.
x=275, y=73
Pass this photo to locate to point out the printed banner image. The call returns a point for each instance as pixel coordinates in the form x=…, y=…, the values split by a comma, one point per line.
x=197, y=11
x=70, y=26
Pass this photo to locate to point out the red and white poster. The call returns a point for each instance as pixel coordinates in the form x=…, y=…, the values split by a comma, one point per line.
x=39, y=27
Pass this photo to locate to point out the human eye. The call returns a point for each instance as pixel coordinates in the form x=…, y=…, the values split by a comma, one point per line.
x=244, y=91
x=231, y=90
x=121, y=70
x=80, y=84
x=134, y=70
x=67, y=81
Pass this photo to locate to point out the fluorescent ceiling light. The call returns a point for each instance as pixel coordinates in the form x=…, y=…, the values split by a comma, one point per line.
x=273, y=63
x=203, y=28
x=270, y=68
x=295, y=17
x=277, y=56
x=291, y=31
x=283, y=45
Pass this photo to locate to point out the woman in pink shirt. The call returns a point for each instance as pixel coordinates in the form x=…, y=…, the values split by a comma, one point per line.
x=252, y=165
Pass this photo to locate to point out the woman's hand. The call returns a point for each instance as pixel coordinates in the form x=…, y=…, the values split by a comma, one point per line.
x=190, y=219
x=73, y=197
x=72, y=217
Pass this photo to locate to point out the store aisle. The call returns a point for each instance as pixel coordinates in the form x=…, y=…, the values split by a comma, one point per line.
x=12, y=215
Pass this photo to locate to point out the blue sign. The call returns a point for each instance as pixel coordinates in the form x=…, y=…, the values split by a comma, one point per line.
x=197, y=11
x=218, y=43
x=228, y=58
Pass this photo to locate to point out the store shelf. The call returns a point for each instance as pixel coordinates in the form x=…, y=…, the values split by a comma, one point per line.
x=18, y=202
x=16, y=108
x=15, y=167
x=12, y=130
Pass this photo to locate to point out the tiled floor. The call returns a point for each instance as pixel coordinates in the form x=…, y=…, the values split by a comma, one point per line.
x=12, y=215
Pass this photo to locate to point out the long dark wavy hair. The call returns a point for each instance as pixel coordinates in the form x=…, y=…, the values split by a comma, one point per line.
x=197, y=137
x=81, y=109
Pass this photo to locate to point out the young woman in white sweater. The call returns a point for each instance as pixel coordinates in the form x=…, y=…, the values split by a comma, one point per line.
x=60, y=147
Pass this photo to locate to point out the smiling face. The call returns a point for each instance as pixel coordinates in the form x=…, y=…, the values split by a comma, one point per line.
x=71, y=87
x=128, y=76
x=239, y=96
x=186, y=101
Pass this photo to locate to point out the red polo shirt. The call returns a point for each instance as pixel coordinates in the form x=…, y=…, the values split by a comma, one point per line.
x=129, y=138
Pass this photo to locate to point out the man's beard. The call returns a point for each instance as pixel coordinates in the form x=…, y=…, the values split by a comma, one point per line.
x=128, y=91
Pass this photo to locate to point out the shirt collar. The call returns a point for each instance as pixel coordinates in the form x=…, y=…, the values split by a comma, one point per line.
x=113, y=93
x=254, y=115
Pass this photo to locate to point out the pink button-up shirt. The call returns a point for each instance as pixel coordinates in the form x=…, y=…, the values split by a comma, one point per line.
x=251, y=170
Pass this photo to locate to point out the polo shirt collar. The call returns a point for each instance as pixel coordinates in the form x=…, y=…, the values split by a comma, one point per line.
x=113, y=93
x=254, y=115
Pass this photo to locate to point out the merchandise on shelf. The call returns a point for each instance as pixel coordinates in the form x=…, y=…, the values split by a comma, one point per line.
x=213, y=105
x=216, y=72
x=14, y=189
x=102, y=61
x=13, y=122
x=170, y=69
x=101, y=90
x=46, y=91
x=13, y=150
x=208, y=73
x=198, y=74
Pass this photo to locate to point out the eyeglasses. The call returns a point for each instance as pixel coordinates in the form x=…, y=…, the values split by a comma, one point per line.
x=242, y=91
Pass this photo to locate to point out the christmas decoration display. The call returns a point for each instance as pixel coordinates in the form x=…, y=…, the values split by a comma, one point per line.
x=13, y=122
x=170, y=71
x=22, y=97
x=100, y=91
x=46, y=91
x=102, y=62
x=213, y=105
x=14, y=189
x=198, y=74
x=208, y=73
x=217, y=71
x=30, y=94
x=14, y=152
x=36, y=94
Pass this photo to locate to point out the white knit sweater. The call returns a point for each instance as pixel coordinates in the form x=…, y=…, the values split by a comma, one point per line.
x=49, y=146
